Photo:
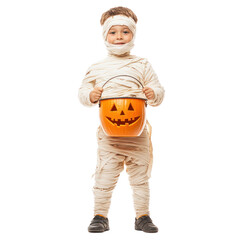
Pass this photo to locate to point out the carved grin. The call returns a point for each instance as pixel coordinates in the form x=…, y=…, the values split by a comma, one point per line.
x=120, y=122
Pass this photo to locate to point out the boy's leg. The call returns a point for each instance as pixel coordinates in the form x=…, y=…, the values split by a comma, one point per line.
x=139, y=182
x=105, y=182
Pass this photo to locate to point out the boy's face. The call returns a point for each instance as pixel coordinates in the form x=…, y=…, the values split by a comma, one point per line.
x=119, y=34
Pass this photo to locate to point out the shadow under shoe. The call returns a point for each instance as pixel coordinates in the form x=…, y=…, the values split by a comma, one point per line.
x=145, y=224
x=98, y=224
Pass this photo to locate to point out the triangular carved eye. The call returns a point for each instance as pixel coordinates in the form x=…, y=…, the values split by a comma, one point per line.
x=130, y=108
x=114, y=108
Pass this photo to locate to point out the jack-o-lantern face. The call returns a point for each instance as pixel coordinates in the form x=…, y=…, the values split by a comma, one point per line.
x=120, y=119
x=122, y=116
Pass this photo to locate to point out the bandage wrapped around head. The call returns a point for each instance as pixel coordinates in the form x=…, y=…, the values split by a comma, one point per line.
x=119, y=20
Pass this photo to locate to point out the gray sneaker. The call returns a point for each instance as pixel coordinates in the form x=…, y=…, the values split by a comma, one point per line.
x=98, y=224
x=145, y=224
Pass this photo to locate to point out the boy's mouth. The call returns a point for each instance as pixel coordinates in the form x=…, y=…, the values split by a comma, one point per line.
x=119, y=43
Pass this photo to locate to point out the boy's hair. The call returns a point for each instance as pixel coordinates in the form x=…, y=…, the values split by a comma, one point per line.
x=118, y=11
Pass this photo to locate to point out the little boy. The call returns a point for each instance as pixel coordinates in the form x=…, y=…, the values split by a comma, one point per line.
x=119, y=29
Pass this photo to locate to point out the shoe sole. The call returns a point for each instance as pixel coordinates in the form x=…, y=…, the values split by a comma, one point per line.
x=97, y=231
x=138, y=229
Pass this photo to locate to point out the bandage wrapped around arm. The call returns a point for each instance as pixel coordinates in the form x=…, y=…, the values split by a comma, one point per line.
x=151, y=80
x=87, y=86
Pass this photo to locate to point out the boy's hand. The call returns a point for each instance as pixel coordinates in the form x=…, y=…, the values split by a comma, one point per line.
x=95, y=94
x=149, y=93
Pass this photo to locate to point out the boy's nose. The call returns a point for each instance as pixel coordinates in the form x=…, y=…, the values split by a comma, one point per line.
x=119, y=36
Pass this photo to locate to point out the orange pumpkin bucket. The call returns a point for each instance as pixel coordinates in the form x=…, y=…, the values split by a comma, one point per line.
x=123, y=116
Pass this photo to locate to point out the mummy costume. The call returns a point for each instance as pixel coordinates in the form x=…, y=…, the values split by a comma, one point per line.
x=114, y=152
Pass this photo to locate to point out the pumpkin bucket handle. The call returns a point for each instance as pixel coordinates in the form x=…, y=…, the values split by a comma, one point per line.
x=121, y=76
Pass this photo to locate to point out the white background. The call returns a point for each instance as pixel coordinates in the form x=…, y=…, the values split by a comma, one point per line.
x=48, y=143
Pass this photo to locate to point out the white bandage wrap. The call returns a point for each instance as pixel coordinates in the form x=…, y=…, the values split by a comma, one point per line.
x=119, y=20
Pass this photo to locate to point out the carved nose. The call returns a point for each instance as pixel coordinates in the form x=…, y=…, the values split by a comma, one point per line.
x=122, y=113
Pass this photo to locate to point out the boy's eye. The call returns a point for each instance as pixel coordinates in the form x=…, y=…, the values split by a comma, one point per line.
x=125, y=32
x=112, y=32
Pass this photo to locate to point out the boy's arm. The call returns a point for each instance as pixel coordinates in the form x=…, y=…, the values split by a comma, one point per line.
x=151, y=80
x=84, y=91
